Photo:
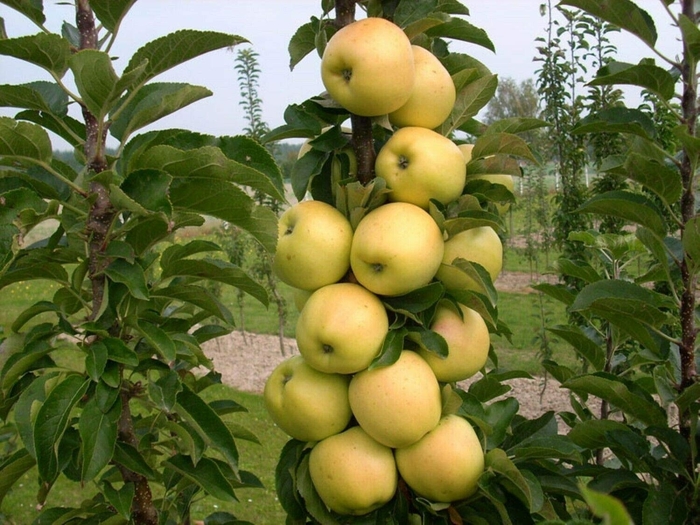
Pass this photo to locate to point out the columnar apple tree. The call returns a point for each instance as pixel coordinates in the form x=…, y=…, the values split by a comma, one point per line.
x=97, y=378
x=400, y=235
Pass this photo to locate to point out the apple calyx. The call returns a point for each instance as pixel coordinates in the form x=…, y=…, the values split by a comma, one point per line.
x=346, y=74
x=327, y=349
x=403, y=162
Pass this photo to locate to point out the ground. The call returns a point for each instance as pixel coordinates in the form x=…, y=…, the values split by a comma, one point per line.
x=245, y=360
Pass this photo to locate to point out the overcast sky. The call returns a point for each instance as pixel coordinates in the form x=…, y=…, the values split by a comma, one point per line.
x=512, y=25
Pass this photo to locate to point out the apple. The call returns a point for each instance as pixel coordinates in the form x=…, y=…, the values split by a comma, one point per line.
x=419, y=164
x=480, y=245
x=494, y=178
x=468, y=342
x=307, y=404
x=313, y=245
x=397, y=248
x=399, y=403
x=352, y=473
x=300, y=297
x=367, y=67
x=433, y=95
x=341, y=328
x=445, y=465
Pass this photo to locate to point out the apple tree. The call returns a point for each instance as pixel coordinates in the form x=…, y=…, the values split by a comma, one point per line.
x=101, y=379
x=527, y=465
x=639, y=330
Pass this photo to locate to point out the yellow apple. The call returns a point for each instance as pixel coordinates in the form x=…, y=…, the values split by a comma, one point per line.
x=445, y=465
x=467, y=339
x=480, y=245
x=494, y=178
x=313, y=245
x=397, y=404
x=307, y=404
x=433, y=95
x=341, y=328
x=397, y=248
x=300, y=297
x=367, y=67
x=352, y=473
x=419, y=164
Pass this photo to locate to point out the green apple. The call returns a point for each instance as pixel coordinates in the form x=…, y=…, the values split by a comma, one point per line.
x=480, y=245
x=307, y=404
x=433, y=95
x=468, y=342
x=397, y=404
x=445, y=465
x=397, y=248
x=341, y=328
x=419, y=164
x=352, y=473
x=313, y=245
x=300, y=297
x=367, y=67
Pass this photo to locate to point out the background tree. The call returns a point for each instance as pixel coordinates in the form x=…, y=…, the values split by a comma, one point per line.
x=98, y=380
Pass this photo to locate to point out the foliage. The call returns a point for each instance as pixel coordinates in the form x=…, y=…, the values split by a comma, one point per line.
x=103, y=389
x=641, y=344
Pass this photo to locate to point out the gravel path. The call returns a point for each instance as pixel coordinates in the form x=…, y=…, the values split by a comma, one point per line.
x=245, y=360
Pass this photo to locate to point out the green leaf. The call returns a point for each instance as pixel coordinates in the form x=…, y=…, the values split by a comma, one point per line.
x=579, y=269
x=460, y=29
x=547, y=447
x=214, y=164
x=46, y=50
x=198, y=296
x=164, y=391
x=96, y=360
x=494, y=143
x=428, y=340
x=392, y=346
x=617, y=120
x=621, y=13
x=119, y=352
x=111, y=13
x=24, y=141
x=96, y=80
x=301, y=44
x=629, y=206
x=208, y=424
x=176, y=48
x=624, y=298
x=644, y=75
x=689, y=396
x=594, y=434
x=664, y=504
x=51, y=422
x=151, y=103
x=305, y=169
x=420, y=26
x=12, y=468
x=285, y=482
x=158, y=339
x=610, y=509
x=206, y=474
x=500, y=415
x=409, y=12
x=150, y=189
x=219, y=271
x=632, y=400
x=32, y=9
x=128, y=456
x=416, y=301
x=120, y=499
x=659, y=178
x=66, y=127
x=582, y=344
x=98, y=432
x=497, y=461
x=691, y=240
x=470, y=100
x=40, y=96
x=132, y=275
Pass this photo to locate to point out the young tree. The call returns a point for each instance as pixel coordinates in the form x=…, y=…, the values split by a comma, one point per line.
x=99, y=378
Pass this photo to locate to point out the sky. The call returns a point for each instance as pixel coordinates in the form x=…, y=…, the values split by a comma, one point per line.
x=512, y=25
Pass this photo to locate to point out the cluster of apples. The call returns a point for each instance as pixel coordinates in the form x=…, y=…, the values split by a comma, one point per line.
x=368, y=425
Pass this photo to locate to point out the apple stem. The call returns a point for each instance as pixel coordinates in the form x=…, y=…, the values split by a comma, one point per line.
x=362, y=138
